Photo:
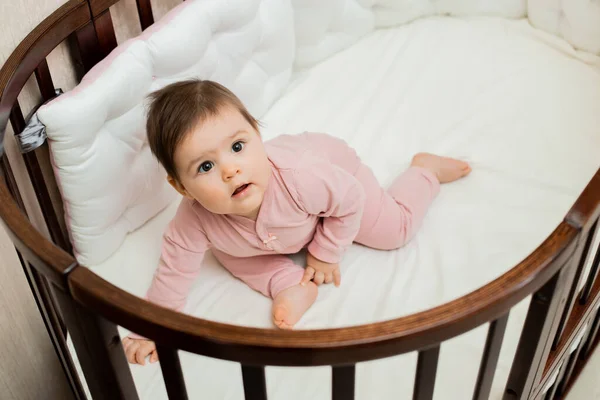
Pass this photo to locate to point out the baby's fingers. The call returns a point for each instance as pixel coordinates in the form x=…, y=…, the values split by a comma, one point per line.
x=308, y=275
x=126, y=343
x=154, y=357
x=328, y=277
x=140, y=356
x=337, y=277
x=319, y=278
x=131, y=351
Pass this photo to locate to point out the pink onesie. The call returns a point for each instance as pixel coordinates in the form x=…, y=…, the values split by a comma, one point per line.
x=319, y=196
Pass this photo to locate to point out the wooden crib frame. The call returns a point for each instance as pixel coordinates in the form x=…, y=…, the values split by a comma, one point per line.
x=73, y=299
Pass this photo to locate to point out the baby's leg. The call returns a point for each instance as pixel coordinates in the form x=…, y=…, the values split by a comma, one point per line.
x=275, y=276
x=392, y=217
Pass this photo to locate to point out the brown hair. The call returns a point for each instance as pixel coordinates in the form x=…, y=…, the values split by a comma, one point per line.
x=175, y=110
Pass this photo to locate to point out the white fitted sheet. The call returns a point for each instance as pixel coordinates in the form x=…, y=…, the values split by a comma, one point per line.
x=520, y=105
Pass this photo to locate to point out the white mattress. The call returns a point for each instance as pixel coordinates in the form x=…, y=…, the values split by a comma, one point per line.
x=521, y=106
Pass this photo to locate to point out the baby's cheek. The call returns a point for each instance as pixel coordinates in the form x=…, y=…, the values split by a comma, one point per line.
x=211, y=197
x=216, y=197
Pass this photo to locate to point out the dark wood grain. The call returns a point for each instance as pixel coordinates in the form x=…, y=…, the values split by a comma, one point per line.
x=99, y=351
x=47, y=258
x=567, y=373
x=571, y=296
x=587, y=208
x=343, y=382
x=592, y=277
x=489, y=360
x=556, y=385
x=591, y=339
x=11, y=183
x=39, y=186
x=97, y=7
x=579, y=367
x=254, y=381
x=44, y=81
x=565, y=285
x=581, y=314
x=172, y=372
x=524, y=377
x=145, y=13
x=88, y=46
x=42, y=294
x=425, y=376
x=105, y=31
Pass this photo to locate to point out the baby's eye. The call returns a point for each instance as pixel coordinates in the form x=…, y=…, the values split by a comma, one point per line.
x=237, y=147
x=205, y=166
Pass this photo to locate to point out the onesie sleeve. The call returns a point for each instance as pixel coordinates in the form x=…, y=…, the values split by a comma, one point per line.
x=332, y=193
x=183, y=247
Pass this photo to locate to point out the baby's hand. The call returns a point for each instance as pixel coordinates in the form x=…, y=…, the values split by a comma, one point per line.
x=446, y=169
x=137, y=350
x=320, y=272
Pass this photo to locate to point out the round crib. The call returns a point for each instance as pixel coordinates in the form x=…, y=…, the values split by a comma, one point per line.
x=559, y=333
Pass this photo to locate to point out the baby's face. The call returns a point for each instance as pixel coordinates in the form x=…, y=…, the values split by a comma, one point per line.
x=223, y=165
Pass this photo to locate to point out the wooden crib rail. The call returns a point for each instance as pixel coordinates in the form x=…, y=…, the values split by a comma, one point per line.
x=329, y=346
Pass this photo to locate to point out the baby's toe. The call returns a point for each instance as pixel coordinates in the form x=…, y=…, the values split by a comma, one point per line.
x=285, y=326
x=461, y=164
x=281, y=324
x=280, y=316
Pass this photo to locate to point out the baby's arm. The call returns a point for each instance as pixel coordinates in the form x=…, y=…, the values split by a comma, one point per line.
x=330, y=192
x=183, y=248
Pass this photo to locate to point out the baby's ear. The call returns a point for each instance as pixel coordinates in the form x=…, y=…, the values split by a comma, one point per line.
x=178, y=186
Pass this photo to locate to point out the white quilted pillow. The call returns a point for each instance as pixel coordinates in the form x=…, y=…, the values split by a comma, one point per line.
x=326, y=27
x=109, y=181
x=577, y=21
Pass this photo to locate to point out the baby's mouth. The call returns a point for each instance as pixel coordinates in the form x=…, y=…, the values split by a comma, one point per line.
x=240, y=188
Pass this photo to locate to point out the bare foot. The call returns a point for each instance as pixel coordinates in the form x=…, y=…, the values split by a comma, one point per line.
x=291, y=304
x=446, y=169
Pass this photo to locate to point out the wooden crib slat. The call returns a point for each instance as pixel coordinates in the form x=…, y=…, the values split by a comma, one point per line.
x=11, y=183
x=589, y=284
x=581, y=258
x=39, y=185
x=88, y=46
x=587, y=347
x=105, y=32
x=554, y=390
x=172, y=373
x=426, y=373
x=536, y=337
x=255, y=384
x=42, y=294
x=99, y=351
x=489, y=360
x=96, y=39
x=44, y=80
x=145, y=12
x=342, y=382
x=551, y=392
x=561, y=385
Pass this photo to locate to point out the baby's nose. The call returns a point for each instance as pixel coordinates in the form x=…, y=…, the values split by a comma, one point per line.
x=230, y=171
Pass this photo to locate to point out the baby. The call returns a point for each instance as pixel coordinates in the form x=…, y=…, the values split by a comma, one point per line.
x=251, y=202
